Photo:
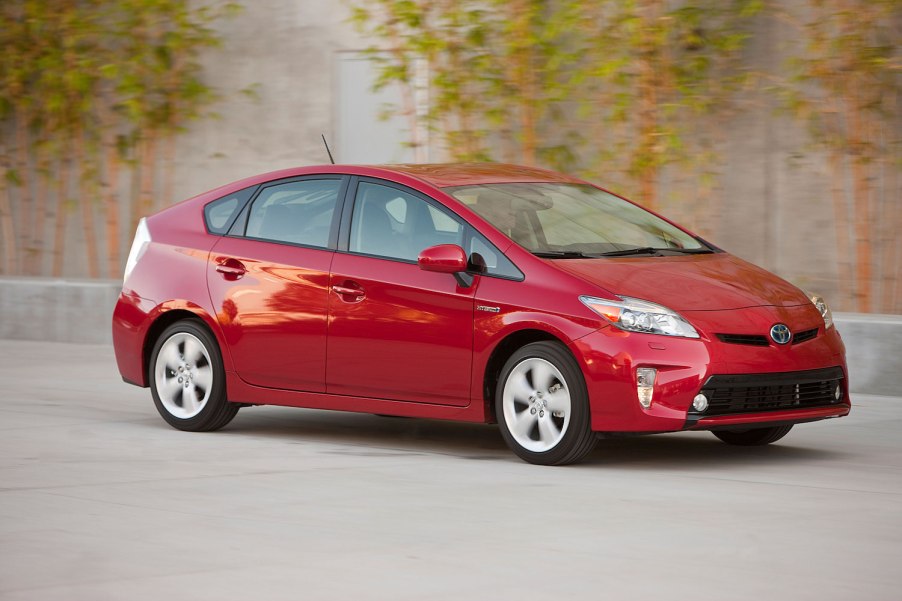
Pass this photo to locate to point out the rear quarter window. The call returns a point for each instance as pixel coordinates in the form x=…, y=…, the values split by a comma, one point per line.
x=219, y=214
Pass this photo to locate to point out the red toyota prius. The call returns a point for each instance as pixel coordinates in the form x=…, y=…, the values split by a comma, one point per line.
x=481, y=292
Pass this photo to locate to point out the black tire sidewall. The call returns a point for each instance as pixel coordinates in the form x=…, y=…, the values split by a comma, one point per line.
x=753, y=437
x=213, y=408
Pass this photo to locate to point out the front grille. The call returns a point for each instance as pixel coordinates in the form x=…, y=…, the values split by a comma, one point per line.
x=803, y=336
x=749, y=339
x=758, y=340
x=756, y=393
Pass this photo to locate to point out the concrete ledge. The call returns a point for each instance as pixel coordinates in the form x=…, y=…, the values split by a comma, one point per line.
x=80, y=311
x=57, y=310
x=873, y=351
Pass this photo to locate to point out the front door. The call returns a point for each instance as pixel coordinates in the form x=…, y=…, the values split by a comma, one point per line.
x=396, y=331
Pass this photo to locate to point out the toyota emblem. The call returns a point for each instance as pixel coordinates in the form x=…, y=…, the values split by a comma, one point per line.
x=781, y=333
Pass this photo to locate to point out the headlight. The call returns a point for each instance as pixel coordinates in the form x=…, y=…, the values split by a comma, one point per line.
x=821, y=305
x=634, y=315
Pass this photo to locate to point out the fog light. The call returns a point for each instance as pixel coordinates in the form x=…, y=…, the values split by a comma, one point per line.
x=700, y=402
x=645, y=384
x=837, y=393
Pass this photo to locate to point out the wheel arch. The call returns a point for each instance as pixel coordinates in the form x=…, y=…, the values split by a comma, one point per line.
x=499, y=356
x=166, y=318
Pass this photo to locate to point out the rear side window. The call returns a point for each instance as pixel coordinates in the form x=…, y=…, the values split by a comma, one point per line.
x=299, y=212
x=219, y=214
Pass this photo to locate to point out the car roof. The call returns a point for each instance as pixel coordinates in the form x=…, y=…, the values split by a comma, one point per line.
x=439, y=175
x=444, y=175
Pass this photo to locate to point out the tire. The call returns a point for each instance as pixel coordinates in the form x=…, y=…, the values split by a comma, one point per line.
x=542, y=405
x=187, y=379
x=752, y=438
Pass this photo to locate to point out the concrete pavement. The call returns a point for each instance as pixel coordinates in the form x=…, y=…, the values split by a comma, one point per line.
x=99, y=499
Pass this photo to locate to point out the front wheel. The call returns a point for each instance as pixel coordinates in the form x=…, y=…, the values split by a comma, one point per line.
x=543, y=407
x=187, y=379
x=754, y=437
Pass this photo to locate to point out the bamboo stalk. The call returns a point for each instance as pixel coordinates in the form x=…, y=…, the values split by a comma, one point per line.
x=6, y=225
x=890, y=222
x=841, y=229
x=861, y=190
x=111, y=206
x=134, y=187
x=24, y=188
x=23, y=225
x=893, y=291
x=896, y=192
x=61, y=217
x=408, y=101
x=39, y=226
x=146, y=161
x=87, y=208
x=524, y=82
x=166, y=198
x=648, y=109
x=7, y=229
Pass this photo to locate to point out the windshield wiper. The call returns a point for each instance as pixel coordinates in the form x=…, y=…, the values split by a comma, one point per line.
x=648, y=250
x=561, y=254
x=691, y=251
x=641, y=250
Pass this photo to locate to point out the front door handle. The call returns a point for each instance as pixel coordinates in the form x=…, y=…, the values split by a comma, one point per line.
x=232, y=269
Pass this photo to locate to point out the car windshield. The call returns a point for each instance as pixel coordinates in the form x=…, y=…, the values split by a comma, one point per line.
x=574, y=220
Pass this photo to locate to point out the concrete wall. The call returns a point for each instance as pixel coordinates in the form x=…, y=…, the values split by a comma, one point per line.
x=57, y=310
x=873, y=351
x=772, y=205
x=80, y=311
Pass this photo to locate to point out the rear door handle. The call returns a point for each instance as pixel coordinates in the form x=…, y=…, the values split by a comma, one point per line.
x=231, y=269
x=346, y=291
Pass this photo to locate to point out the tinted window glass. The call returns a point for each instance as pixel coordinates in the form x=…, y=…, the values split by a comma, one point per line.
x=297, y=212
x=573, y=218
x=389, y=222
x=218, y=215
x=487, y=259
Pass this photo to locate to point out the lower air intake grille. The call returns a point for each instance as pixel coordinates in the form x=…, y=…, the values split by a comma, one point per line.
x=757, y=393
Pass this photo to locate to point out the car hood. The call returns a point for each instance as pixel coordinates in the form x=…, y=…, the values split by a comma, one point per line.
x=712, y=282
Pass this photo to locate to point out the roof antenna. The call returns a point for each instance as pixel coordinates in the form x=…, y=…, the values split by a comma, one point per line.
x=327, y=148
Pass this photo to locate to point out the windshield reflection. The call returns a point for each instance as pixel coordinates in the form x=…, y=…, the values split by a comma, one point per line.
x=558, y=220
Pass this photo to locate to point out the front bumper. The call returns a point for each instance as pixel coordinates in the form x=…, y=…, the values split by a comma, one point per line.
x=787, y=397
x=755, y=385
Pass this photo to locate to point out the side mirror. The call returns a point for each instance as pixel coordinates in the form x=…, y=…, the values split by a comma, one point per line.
x=444, y=258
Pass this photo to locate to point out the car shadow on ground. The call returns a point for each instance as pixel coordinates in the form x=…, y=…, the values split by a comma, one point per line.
x=373, y=435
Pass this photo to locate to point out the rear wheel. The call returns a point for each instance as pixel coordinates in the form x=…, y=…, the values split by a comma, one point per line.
x=754, y=437
x=187, y=379
x=543, y=407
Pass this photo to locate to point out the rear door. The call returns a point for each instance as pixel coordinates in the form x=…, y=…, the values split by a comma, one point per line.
x=269, y=282
x=396, y=331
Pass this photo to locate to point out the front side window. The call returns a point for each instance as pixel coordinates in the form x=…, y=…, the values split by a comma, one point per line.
x=388, y=222
x=554, y=219
x=488, y=260
x=298, y=212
